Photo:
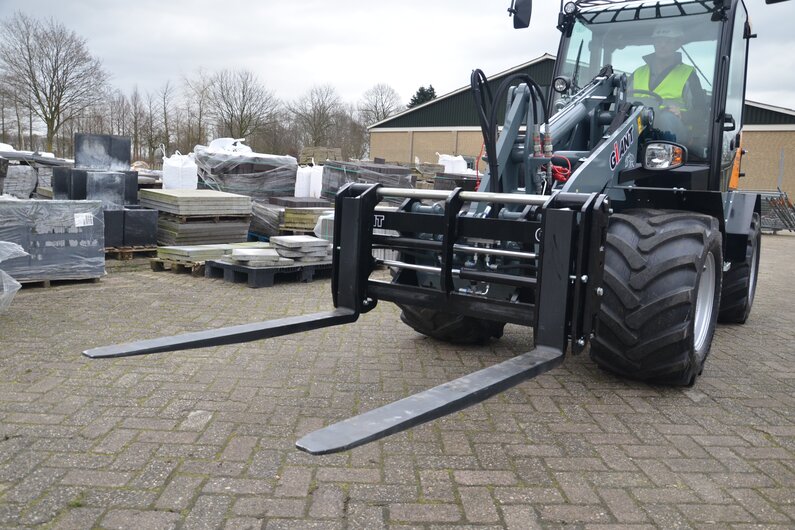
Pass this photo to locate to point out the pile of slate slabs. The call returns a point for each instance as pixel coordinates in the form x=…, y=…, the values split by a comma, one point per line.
x=259, y=257
x=199, y=253
x=302, y=249
x=198, y=217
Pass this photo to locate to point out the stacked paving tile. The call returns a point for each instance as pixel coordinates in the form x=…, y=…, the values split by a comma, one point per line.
x=302, y=249
x=256, y=257
x=266, y=218
x=198, y=253
x=199, y=217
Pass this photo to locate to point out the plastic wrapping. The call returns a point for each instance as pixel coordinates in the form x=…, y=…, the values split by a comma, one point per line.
x=8, y=285
x=65, y=240
x=338, y=174
x=9, y=250
x=20, y=181
x=8, y=288
x=266, y=219
x=235, y=170
x=453, y=164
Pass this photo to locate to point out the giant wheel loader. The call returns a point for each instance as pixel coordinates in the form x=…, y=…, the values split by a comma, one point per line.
x=609, y=217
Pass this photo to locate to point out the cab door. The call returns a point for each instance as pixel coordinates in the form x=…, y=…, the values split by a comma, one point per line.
x=732, y=120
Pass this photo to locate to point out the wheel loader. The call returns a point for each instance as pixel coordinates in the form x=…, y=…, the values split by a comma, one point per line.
x=608, y=219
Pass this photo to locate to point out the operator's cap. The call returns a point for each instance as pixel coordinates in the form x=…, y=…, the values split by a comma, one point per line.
x=667, y=32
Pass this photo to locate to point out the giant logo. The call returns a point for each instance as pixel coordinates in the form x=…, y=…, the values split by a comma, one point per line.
x=621, y=148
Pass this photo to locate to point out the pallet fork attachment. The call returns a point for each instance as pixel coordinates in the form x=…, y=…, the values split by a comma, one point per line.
x=565, y=230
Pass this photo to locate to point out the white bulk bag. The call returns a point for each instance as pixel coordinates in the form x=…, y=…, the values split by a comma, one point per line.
x=180, y=172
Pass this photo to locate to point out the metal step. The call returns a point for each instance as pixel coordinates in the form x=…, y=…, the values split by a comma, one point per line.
x=430, y=404
x=230, y=335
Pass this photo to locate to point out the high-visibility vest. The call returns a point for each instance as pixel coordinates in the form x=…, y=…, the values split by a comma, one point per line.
x=671, y=89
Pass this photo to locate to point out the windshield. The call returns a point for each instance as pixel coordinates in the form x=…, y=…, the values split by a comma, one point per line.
x=670, y=63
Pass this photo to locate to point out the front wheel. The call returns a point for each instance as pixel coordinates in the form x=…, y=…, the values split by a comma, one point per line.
x=662, y=286
x=449, y=327
x=739, y=282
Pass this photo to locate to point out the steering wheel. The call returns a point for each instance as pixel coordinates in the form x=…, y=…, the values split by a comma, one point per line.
x=660, y=101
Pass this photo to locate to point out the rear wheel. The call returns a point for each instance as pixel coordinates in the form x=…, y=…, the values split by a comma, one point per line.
x=450, y=327
x=739, y=282
x=662, y=288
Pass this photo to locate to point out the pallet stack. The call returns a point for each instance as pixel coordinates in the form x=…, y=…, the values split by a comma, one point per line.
x=199, y=217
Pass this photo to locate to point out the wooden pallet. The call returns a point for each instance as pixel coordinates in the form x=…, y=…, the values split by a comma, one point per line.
x=184, y=219
x=256, y=277
x=194, y=268
x=55, y=283
x=128, y=253
x=295, y=230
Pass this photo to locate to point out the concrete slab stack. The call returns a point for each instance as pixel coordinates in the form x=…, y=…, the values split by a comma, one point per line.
x=302, y=249
x=197, y=217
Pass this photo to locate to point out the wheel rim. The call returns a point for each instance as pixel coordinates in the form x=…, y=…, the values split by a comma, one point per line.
x=704, y=302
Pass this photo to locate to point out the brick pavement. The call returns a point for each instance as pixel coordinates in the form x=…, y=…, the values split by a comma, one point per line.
x=204, y=438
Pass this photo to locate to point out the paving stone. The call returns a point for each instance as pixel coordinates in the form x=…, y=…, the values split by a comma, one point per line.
x=92, y=478
x=139, y=520
x=425, y=513
x=207, y=513
x=327, y=502
x=178, y=493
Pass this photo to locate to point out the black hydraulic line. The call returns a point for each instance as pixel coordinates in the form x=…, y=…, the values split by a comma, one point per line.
x=495, y=277
x=484, y=101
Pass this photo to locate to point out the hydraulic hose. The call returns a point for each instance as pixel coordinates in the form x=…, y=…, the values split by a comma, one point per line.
x=487, y=115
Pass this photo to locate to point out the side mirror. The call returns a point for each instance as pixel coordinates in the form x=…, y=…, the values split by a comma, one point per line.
x=729, y=123
x=521, y=10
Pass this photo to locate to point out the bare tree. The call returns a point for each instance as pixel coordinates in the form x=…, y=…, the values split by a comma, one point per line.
x=197, y=99
x=349, y=132
x=240, y=104
x=315, y=113
x=166, y=94
x=138, y=115
x=379, y=103
x=52, y=65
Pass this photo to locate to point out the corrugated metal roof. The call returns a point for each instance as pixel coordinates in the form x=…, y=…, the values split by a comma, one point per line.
x=457, y=109
x=762, y=114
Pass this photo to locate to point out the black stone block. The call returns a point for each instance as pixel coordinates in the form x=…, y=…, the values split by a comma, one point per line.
x=130, y=187
x=102, y=151
x=140, y=227
x=114, y=228
x=77, y=185
x=61, y=176
x=106, y=186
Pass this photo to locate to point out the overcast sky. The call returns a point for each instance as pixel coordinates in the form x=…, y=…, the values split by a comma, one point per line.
x=352, y=44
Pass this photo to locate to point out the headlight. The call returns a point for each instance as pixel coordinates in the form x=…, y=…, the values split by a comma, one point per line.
x=561, y=84
x=570, y=8
x=664, y=155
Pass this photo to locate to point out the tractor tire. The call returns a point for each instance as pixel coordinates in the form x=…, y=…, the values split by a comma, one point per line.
x=449, y=327
x=662, y=286
x=739, y=282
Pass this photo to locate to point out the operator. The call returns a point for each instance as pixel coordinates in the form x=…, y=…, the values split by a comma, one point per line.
x=674, y=82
